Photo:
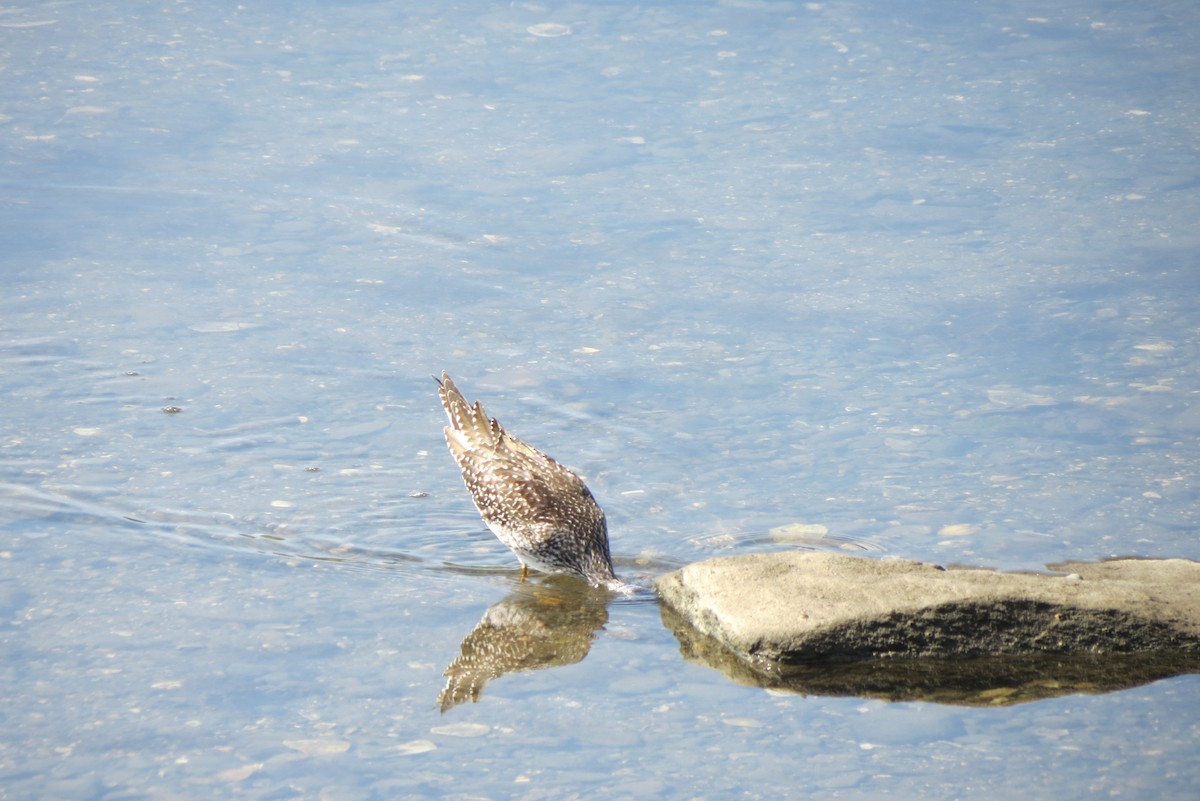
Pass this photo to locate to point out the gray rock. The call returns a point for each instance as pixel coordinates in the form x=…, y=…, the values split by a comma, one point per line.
x=956, y=634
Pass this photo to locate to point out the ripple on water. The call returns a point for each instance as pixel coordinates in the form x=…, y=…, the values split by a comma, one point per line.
x=549, y=30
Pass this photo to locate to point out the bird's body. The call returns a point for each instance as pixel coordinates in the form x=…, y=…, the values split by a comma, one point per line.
x=537, y=507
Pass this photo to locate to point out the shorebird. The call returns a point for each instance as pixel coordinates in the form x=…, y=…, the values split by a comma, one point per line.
x=537, y=507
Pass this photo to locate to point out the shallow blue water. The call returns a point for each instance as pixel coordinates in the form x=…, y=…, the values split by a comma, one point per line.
x=924, y=277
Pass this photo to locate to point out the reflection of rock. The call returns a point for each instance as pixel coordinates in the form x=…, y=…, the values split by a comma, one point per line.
x=832, y=624
x=978, y=681
x=537, y=626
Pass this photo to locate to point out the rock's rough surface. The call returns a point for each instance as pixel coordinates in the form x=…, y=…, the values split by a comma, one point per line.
x=797, y=608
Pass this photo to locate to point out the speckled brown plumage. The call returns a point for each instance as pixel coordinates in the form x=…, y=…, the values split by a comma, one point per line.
x=537, y=507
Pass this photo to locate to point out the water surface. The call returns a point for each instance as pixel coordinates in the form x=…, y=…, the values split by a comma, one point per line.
x=921, y=279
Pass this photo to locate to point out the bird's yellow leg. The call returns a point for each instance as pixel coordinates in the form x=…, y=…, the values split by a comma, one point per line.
x=524, y=571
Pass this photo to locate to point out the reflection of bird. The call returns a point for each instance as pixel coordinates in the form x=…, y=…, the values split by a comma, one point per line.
x=533, y=628
x=537, y=507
